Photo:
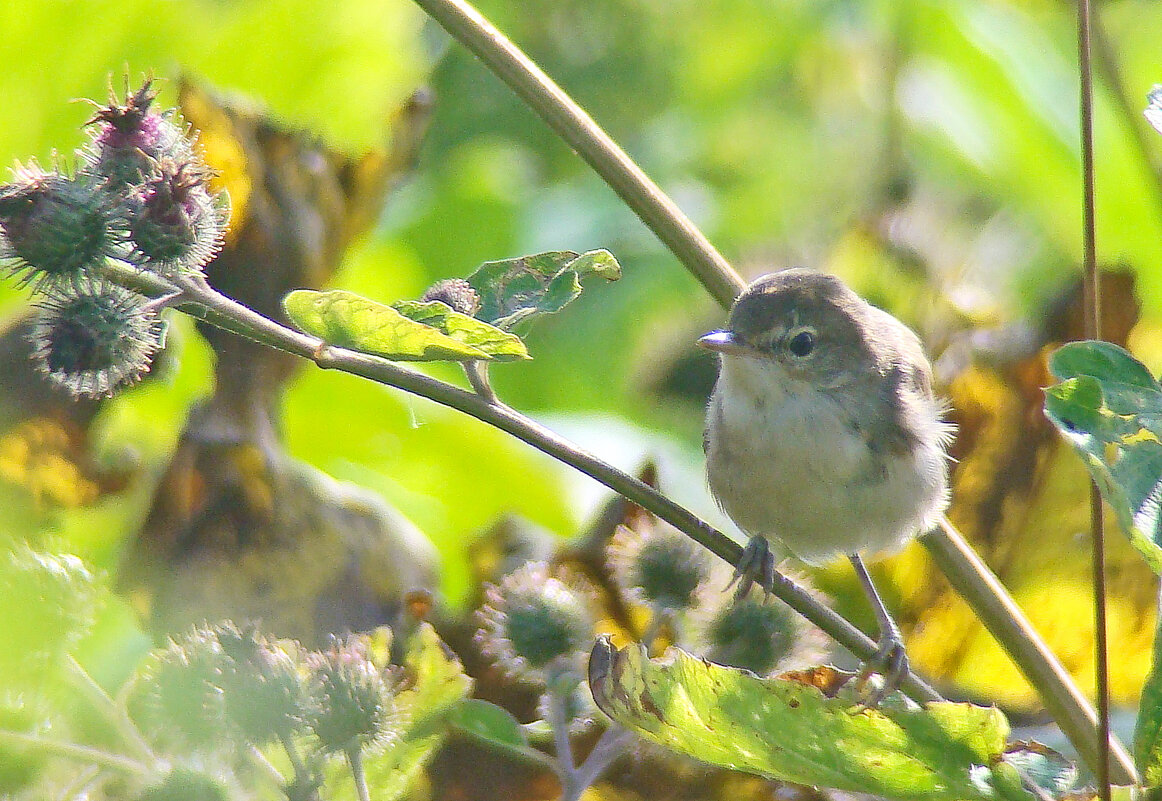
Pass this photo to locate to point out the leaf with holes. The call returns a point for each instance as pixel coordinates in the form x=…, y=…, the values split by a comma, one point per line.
x=806, y=728
x=1109, y=408
x=517, y=290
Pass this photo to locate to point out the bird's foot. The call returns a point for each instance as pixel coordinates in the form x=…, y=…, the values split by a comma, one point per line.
x=755, y=566
x=890, y=663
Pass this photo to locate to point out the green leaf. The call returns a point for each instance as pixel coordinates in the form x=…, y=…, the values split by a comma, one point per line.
x=440, y=682
x=1101, y=360
x=1043, y=766
x=349, y=321
x=516, y=290
x=1148, y=729
x=489, y=723
x=787, y=728
x=1109, y=408
x=500, y=345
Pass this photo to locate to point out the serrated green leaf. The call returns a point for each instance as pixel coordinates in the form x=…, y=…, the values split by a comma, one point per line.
x=489, y=723
x=500, y=345
x=1109, y=408
x=516, y=290
x=350, y=321
x=788, y=729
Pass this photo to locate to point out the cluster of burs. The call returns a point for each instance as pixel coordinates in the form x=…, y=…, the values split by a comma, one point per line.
x=138, y=196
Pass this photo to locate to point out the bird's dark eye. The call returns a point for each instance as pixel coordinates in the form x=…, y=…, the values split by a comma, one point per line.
x=801, y=344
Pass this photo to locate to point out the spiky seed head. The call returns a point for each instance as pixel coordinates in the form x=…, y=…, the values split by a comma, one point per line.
x=177, y=696
x=657, y=565
x=95, y=338
x=54, y=226
x=175, y=224
x=129, y=137
x=351, y=701
x=757, y=633
x=535, y=625
x=456, y=293
x=263, y=690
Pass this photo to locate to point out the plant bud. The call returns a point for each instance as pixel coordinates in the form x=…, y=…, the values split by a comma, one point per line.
x=659, y=566
x=53, y=227
x=175, y=224
x=47, y=604
x=352, y=704
x=93, y=338
x=129, y=138
x=456, y=293
x=534, y=625
x=263, y=692
x=759, y=634
x=178, y=694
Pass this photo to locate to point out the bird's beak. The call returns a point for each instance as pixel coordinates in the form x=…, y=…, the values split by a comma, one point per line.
x=724, y=342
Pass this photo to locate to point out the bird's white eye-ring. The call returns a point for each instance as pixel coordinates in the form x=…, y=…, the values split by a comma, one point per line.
x=802, y=343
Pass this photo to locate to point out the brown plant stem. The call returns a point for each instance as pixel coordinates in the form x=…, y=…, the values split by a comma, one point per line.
x=1093, y=331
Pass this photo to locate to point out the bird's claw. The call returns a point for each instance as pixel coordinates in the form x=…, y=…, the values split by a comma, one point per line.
x=755, y=566
x=890, y=663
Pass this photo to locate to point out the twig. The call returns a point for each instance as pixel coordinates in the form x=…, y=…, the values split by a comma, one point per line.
x=355, y=760
x=273, y=774
x=110, y=710
x=609, y=747
x=205, y=303
x=1093, y=331
x=79, y=753
x=477, y=373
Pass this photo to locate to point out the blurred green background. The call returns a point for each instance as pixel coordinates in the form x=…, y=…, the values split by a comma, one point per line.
x=928, y=151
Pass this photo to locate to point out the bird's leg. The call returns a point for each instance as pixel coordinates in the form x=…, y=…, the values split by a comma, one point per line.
x=755, y=566
x=890, y=660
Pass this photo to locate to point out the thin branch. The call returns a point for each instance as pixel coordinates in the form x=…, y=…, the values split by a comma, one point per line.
x=355, y=760
x=1093, y=331
x=610, y=746
x=585, y=136
x=477, y=373
x=73, y=751
x=110, y=710
x=205, y=303
x=264, y=765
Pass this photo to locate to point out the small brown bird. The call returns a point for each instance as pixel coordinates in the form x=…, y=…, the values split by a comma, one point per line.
x=823, y=434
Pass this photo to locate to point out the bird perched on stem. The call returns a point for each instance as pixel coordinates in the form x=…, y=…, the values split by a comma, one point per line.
x=823, y=434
